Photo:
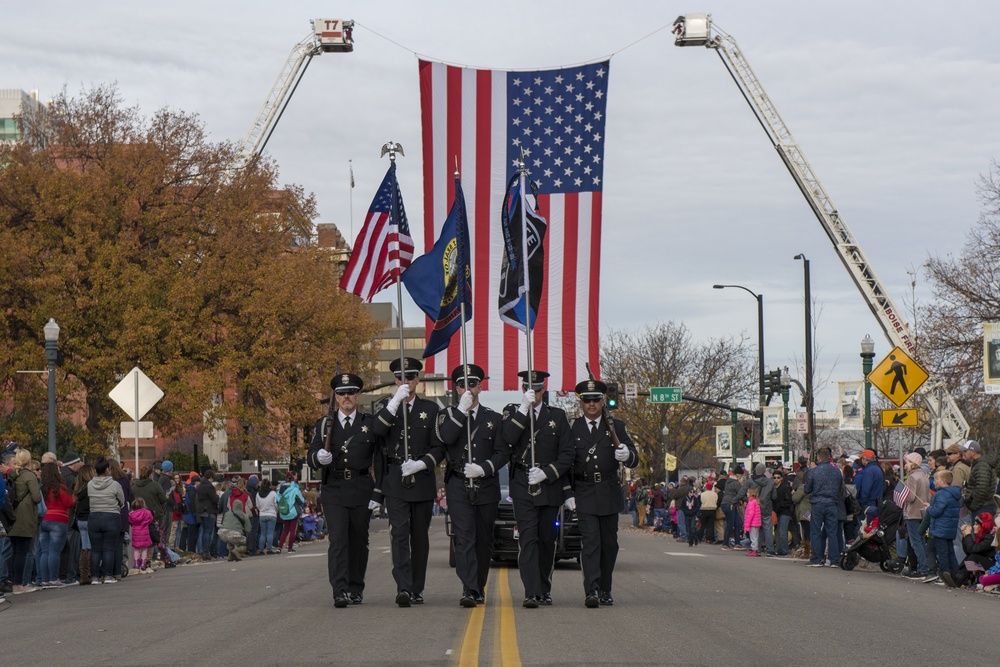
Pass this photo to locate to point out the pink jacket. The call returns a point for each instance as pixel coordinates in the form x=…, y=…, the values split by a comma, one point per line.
x=140, y=520
x=751, y=519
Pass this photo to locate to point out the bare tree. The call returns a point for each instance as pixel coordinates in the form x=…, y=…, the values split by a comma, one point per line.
x=663, y=355
x=966, y=291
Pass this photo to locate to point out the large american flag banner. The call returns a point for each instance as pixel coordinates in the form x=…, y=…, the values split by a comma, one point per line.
x=484, y=118
x=384, y=247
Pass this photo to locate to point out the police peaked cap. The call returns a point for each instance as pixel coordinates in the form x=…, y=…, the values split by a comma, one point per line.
x=346, y=381
x=591, y=388
x=537, y=377
x=474, y=372
x=409, y=365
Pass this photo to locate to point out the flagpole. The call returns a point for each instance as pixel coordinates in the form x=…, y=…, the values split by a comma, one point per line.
x=394, y=207
x=533, y=489
x=350, y=166
x=469, y=484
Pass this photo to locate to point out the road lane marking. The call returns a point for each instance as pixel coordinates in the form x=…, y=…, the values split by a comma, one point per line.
x=306, y=555
x=683, y=553
x=509, y=654
x=469, y=654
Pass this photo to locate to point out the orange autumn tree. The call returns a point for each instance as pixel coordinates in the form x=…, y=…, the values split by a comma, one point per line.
x=150, y=248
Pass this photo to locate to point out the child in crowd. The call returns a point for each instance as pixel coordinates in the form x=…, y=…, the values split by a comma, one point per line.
x=140, y=518
x=943, y=511
x=752, y=520
x=309, y=524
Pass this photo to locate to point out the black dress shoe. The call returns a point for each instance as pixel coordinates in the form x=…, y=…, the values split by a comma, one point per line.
x=592, y=601
x=479, y=598
x=403, y=599
x=606, y=599
x=530, y=603
x=416, y=598
x=357, y=598
x=546, y=600
x=468, y=600
x=341, y=600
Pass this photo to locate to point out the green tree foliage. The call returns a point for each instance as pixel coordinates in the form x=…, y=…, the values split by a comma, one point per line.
x=664, y=355
x=150, y=247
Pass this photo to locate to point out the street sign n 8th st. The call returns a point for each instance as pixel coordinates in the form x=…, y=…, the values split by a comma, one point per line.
x=665, y=395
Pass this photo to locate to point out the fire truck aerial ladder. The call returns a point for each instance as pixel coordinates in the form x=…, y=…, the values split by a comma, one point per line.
x=947, y=423
x=328, y=36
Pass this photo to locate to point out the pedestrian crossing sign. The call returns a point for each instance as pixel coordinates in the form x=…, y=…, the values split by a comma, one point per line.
x=898, y=376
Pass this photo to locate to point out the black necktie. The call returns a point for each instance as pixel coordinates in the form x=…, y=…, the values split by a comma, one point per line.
x=347, y=422
x=593, y=426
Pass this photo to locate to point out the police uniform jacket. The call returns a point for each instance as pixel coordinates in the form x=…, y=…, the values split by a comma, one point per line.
x=488, y=449
x=347, y=480
x=553, y=452
x=423, y=447
x=595, y=470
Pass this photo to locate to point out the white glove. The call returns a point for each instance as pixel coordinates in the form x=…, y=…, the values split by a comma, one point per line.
x=372, y=505
x=621, y=454
x=527, y=401
x=324, y=457
x=570, y=503
x=411, y=467
x=536, y=476
x=473, y=470
x=402, y=396
x=465, y=403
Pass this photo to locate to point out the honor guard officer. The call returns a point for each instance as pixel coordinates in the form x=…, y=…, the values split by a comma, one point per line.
x=406, y=480
x=344, y=448
x=471, y=485
x=597, y=495
x=537, y=485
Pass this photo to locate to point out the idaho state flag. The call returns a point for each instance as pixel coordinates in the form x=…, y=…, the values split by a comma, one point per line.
x=440, y=281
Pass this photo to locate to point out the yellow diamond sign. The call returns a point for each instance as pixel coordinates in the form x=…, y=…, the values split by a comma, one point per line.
x=898, y=376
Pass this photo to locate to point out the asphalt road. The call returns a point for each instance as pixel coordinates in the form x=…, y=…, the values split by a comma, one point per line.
x=673, y=605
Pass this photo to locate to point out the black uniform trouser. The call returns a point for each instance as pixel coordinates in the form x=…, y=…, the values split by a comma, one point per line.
x=347, y=557
x=536, y=545
x=599, y=550
x=409, y=527
x=472, y=529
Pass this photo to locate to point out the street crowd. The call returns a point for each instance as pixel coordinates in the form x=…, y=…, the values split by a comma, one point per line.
x=937, y=516
x=66, y=523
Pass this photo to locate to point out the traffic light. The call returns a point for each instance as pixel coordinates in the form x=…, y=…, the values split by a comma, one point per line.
x=748, y=436
x=612, y=395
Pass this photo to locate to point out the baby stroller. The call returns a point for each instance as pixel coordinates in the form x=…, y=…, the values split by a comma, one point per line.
x=878, y=546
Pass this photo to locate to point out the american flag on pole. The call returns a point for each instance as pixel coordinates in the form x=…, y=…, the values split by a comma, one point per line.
x=383, y=248
x=900, y=494
x=484, y=118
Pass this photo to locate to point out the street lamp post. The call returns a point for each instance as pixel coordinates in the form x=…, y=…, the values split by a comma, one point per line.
x=760, y=336
x=810, y=424
x=51, y=331
x=786, y=384
x=867, y=354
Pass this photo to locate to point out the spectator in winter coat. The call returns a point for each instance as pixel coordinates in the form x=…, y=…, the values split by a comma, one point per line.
x=944, y=510
x=267, y=509
x=208, y=510
x=734, y=526
x=784, y=507
x=980, y=486
x=823, y=485
x=871, y=484
x=913, y=511
x=709, y=506
x=690, y=506
x=978, y=543
x=765, y=498
x=234, y=531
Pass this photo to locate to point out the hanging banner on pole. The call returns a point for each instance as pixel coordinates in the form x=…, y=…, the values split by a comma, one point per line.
x=724, y=442
x=851, y=405
x=774, y=433
x=991, y=357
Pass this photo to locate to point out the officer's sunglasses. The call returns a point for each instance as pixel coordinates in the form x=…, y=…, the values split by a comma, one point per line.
x=410, y=375
x=461, y=384
x=346, y=392
x=591, y=399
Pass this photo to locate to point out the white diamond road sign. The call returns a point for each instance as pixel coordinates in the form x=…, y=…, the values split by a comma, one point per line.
x=127, y=398
x=665, y=394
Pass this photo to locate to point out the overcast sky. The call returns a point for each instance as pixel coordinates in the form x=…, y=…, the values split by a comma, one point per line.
x=893, y=102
